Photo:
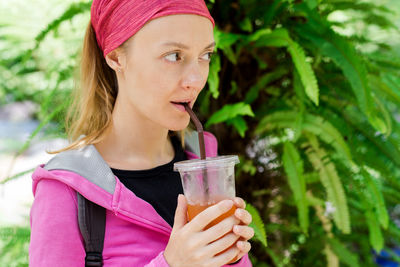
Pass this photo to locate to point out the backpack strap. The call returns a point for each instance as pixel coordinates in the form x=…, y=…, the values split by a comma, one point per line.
x=92, y=224
x=88, y=163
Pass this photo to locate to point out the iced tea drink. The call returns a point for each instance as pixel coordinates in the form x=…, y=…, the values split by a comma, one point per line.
x=207, y=181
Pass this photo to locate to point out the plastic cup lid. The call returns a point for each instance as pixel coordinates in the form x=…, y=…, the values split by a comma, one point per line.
x=195, y=164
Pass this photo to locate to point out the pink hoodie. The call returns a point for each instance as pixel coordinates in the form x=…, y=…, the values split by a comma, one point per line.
x=135, y=235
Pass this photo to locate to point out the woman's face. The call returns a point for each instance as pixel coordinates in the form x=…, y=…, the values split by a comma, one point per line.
x=166, y=61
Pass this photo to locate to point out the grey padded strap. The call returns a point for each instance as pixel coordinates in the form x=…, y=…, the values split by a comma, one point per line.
x=192, y=142
x=88, y=163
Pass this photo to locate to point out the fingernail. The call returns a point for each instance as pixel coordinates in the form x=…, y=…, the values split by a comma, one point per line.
x=238, y=212
x=228, y=204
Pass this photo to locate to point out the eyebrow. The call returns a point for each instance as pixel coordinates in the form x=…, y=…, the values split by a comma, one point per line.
x=180, y=45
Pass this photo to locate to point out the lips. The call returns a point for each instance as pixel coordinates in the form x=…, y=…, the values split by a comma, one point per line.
x=182, y=102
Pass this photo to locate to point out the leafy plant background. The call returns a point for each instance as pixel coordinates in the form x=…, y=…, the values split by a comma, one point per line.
x=306, y=92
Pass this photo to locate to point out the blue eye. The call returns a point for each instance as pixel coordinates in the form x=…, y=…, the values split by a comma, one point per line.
x=173, y=57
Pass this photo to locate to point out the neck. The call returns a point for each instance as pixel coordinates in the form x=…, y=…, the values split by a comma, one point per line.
x=134, y=142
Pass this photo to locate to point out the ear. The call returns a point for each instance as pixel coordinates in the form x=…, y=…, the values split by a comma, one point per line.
x=115, y=60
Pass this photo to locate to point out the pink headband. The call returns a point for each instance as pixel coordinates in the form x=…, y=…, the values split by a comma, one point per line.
x=115, y=21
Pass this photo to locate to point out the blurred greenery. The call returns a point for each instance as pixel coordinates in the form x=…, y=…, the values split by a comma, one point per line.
x=305, y=91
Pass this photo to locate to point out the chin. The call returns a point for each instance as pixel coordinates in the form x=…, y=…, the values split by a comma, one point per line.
x=178, y=125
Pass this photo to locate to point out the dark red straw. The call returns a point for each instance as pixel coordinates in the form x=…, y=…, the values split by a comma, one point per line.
x=199, y=128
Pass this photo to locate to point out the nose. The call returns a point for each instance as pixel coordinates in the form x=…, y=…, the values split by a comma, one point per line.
x=194, y=77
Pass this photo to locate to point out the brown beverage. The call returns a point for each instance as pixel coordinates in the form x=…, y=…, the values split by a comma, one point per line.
x=193, y=210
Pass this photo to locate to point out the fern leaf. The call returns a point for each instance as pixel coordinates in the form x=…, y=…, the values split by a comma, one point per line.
x=281, y=38
x=311, y=123
x=257, y=224
x=213, y=78
x=240, y=125
x=332, y=184
x=294, y=169
x=386, y=115
x=305, y=71
x=224, y=41
x=346, y=58
x=73, y=10
x=230, y=111
x=375, y=234
x=344, y=254
x=387, y=147
x=380, y=85
x=377, y=200
x=264, y=80
x=331, y=258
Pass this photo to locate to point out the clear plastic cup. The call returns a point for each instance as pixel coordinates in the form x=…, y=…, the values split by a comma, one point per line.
x=206, y=182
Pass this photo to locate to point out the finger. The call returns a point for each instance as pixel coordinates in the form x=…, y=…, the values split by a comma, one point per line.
x=243, y=246
x=239, y=202
x=225, y=257
x=180, y=212
x=220, y=229
x=205, y=217
x=244, y=249
x=244, y=216
x=243, y=231
x=221, y=244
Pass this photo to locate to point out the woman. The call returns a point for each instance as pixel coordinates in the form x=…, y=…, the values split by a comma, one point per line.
x=140, y=60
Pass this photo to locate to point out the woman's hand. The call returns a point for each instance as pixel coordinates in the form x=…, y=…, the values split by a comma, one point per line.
x=243, y=230
x=191, y=245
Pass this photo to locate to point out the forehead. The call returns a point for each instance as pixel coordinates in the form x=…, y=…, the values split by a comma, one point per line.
x=192, y=30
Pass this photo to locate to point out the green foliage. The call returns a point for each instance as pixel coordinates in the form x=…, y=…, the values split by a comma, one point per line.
x=213, y=78
x=345, y=255
x=374, y=194
x=294, y=170
x=331, y=181
x=304, y=91
x=310, y=123
x=279, y=38
x=257, y=224
x=375, y=233
x=232, y=114
x=14, y=245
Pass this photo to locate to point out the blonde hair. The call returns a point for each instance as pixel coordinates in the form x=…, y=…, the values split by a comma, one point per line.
x=90, y=115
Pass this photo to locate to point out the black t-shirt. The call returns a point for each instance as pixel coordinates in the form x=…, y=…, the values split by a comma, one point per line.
x=159, y=186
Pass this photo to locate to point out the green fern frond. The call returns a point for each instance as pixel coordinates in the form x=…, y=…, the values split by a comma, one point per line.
x=294, y=169
x=305, y=71
x=230, y=111
x=380, y=87
x=346, y=58
x=387, y=147
x=257, y=224
x=311, y=123
x=281, y=38
x=385, y=114
x=73, y=10
x=377, y=200
x=344, y=254
x=332, y=184
x=375, y=234
x=213, y=77
x=262, y=83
